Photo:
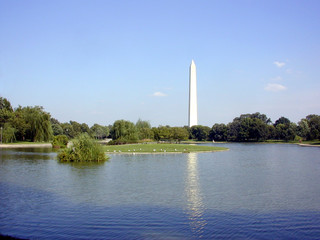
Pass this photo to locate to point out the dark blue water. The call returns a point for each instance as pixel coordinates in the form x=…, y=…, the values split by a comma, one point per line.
x=253, y=191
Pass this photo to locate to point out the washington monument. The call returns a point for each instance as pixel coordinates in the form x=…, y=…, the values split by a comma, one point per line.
x=193, y=105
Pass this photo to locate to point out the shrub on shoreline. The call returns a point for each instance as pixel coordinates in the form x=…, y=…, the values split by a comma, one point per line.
x=60, y=141
x=83, y=149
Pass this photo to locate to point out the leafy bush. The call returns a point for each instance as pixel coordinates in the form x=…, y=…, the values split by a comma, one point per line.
x=60, y=141
x=83, y=149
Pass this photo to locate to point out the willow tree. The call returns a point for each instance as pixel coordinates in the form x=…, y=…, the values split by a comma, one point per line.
x=123, y=129
x=144, y=130
x=6, y=111
x=39, y=125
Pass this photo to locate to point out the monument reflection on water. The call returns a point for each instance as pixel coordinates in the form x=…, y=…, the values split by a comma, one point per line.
x=195, y=207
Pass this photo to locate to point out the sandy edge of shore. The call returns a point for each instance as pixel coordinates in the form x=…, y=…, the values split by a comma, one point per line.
x=36, y=145
x=308, y=145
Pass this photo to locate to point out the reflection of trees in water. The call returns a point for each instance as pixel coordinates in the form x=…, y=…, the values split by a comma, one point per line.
x=195, y=207
x=29, y=154
x=84, y=165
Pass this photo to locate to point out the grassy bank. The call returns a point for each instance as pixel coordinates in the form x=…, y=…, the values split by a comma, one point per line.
x=160, y=148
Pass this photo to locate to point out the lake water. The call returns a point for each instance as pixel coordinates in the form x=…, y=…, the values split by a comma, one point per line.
x=252, y=191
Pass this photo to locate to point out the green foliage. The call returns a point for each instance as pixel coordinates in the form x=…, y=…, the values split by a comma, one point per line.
x=249, y=127
x=282, y=120
x=298, y=139
x=144, y=130
x=68, y=130
x=179, y=134
x=8, y=133
x=303, y=128
x=199, y=132
x=142, y=124
x=121, y=141
x=57, y=129
x=60, y=141
x=79, y=128
x=314, y=125
x=167, y=133
x=99, y=132
x=124, y=130
x=284, y=129
x=83, y=149
x=161, y=133
x=6, y=111
x=32, y=123
x=40, y=125
x=5, y=104
x=218, y=132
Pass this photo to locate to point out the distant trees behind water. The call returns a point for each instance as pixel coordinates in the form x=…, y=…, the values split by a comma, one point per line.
x=257, y=127
x=34, y=124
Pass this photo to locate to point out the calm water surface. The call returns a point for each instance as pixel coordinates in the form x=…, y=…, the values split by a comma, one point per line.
x=252, y=191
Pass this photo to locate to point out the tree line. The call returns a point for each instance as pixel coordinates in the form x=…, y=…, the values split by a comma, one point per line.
x=35, y=124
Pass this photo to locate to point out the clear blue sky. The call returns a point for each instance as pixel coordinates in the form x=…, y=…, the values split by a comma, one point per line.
x=100, y=61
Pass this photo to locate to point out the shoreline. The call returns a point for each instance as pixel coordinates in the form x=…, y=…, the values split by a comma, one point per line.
x=137, y=153
x=308, y=145
x=31, y=145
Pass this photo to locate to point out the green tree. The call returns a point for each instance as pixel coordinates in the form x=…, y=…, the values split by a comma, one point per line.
x=189, y=131
x=282, y=120
x=79, y=128
x=85, y=128
x=144, y=130
x=57, y=129
x=303, y=129
x=8, y=133
x=36, y=122
x=249, y=127
x=271, y=132
x=99, y=131
x=156, y=133
x=6, y=111
x=68, y=130
x=179, y=134
x=18, y=122
x=260, y=116
x=200, y=132
x=314, y=125
x=285, y=132
x=162, y=133
x=258, y=130
x=218, y=132
x=124, y=130
x=285, y=129
x=76, y=128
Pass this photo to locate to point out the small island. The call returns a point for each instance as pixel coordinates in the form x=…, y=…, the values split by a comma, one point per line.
x=159, y=148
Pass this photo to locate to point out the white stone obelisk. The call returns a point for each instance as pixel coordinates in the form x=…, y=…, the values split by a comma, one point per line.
x=193, y=104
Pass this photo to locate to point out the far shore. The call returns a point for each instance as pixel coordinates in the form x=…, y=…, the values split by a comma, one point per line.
x=27, y=145
x=178, y=152
x=308, y=145
x=49, y=145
